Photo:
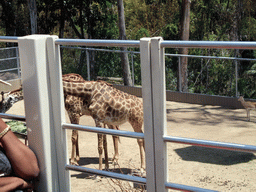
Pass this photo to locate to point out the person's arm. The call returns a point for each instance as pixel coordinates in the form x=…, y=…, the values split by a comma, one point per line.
x=12, y=183
x=23, y=160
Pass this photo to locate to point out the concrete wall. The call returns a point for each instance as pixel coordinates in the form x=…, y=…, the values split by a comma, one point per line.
x=16, y=83
x=201, y=99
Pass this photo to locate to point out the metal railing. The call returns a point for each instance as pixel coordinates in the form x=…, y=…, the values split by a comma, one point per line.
x=16, y=58
x=132, y=53
x=48, y=133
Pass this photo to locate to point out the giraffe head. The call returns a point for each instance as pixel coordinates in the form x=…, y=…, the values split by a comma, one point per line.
x=241, y=98
x=11, y=98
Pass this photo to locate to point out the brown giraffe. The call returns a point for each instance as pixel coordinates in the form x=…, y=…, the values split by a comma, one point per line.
x=11, y=98
x=109, y=105
x=77, y=107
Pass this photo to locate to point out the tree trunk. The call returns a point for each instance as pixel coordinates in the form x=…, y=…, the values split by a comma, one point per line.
x=62, y=19
x=124, y=56
x=33, y=15
x=185, y=20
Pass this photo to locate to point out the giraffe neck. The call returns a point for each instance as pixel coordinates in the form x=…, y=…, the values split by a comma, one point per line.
x=79, y=89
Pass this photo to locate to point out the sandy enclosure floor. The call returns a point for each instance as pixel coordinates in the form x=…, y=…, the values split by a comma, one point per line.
x=190, y=165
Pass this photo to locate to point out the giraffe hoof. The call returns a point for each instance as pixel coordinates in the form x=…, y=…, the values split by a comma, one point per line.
x=114, y=161
x=139, y=172
x=95, y=177
x=74, y=163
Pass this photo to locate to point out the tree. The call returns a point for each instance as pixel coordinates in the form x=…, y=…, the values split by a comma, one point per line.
x=33, y=15
x=185, y=20
x=124, y=55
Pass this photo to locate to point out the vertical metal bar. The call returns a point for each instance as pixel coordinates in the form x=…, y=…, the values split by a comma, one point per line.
x=159, y=111
x=146, y=78
x=132, y=54
x=236, y=68
x=35, y=85
x=18, y=62
x=88, y=65
x=179, y=77
x=57, y=115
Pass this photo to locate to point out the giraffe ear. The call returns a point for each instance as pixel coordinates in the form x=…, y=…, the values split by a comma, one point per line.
x=4, y=82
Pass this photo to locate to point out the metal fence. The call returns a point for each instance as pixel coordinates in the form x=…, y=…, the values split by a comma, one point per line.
x=177, y=79
x=43, y=95
x=9, y=63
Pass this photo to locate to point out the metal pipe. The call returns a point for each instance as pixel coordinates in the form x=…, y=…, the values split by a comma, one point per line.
x=179, y=78
x=210, y=44
x=236, y=68
x=88, y=65
x=14, y=117
x=211, y=144
x=132, y=54
x=139, y=180
x=99, y=42
x=185, y=188
x=210, y=57
x=9, y=39
x=103, y=130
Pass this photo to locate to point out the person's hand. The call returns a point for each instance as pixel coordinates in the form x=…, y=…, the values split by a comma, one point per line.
x=14, y=183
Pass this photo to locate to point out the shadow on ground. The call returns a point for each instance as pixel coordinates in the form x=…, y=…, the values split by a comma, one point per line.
x=214, y=156
x=117, y=170
x=203, y=115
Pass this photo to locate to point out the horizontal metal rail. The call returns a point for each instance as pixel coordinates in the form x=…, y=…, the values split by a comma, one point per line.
x=99, y=42
x=14, y=117
x=186, y=188
x=11, y=58
x=135, y=179
x=211, y=144
x=9, y=39
x=103, y=130
x=210, y=44
x=102, y=50
x=210, y=57
x=5, y=48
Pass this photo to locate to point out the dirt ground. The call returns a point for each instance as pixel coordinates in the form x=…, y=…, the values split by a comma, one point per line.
x=196, y=166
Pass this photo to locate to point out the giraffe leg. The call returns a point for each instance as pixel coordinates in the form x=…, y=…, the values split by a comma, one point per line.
x=105, y=146
x=100, y=145
x=115, y=141
x=141, y=144
x=137, y=126
x=74, y=140
x=77, y=150
x=100, y=149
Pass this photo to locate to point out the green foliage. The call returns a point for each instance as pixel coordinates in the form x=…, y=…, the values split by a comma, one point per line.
x=17, y=126
x=214, y=20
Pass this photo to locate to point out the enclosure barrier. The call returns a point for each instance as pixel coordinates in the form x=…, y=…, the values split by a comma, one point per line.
x=87, y=49
x=43, y=95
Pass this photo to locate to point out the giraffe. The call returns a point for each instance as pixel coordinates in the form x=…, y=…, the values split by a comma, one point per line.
x=77, y=107
x=110, y=106
x=11, y=98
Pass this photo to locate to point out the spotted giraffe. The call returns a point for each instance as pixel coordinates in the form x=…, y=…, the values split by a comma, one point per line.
x=110, y=106
x=77, y=107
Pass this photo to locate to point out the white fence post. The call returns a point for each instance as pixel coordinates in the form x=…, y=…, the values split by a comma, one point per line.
x=58, y=111
x=35, y=84
x=159, y=110
x=148, y=114
x=154, y=98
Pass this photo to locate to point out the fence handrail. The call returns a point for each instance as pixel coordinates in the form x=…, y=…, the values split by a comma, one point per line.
x=211, y=144
x=99, y=42
x=209, y=44
x=9, y=39
x=103, y=130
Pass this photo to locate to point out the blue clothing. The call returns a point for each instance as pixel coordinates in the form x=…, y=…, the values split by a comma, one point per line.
x=5, y=165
